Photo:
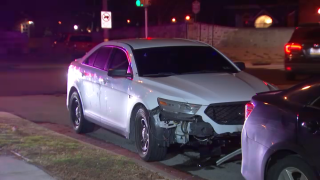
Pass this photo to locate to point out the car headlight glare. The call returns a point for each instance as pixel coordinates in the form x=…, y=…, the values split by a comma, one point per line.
x=178, y=107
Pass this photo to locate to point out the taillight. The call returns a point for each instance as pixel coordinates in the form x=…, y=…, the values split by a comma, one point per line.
x=248, y=109
x=292, y=47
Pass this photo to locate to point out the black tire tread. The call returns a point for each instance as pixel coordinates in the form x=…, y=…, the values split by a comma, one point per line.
x=157, y=153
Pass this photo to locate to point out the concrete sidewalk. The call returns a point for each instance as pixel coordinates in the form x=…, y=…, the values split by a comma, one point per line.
x=12, y=168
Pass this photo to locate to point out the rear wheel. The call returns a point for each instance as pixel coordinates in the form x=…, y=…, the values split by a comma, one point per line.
x=291, y=168
x=145, y=137
x=290, y=76
x=79, y=123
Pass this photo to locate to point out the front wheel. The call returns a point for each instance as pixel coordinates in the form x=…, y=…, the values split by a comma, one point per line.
x=145, y=137
x=291, y=168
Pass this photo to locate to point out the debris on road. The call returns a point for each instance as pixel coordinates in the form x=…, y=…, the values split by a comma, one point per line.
x=64, y=157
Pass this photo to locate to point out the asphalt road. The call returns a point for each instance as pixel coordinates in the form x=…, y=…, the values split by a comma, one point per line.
x=39, y=95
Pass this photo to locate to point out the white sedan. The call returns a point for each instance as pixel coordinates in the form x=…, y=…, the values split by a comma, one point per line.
x=158, y=92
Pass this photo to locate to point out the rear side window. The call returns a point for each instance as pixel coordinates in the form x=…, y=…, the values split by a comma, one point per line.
x=305, y=34
x=102, y=57
x=90, y=60
x=119, y=60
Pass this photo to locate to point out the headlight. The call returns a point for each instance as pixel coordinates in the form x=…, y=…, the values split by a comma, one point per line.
x=271, y=86
x=178, y=107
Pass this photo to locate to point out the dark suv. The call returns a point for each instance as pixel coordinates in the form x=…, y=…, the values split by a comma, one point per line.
x=302, y=52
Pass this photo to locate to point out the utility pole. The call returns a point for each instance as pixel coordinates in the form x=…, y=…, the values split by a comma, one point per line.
x=105, y=31
x=146, y=21
x=145, y=4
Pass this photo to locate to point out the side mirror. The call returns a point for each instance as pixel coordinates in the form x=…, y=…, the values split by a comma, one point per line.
x=240, y=65
x=118, y=73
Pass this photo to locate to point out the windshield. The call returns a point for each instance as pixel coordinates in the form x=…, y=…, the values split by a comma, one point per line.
x=80, y=39
x=181, y=60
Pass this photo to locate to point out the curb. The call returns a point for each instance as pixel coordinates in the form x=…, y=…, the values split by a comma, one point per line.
x=166, y=171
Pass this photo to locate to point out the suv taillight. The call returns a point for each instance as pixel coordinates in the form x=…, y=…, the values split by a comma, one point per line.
x=248, y=109
x=288, y=48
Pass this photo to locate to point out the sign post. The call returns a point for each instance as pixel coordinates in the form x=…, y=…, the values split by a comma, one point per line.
x=195, y=8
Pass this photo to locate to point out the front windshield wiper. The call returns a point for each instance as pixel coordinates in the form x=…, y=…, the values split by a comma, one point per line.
x=160, y=74
x=203, y=71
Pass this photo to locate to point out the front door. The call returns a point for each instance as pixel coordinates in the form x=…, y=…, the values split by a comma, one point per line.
x=309, y=131
x=114, y=93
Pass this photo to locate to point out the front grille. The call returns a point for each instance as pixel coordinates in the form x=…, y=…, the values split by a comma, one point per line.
x=227, y=113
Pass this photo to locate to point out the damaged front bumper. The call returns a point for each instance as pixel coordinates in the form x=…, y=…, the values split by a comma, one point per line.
x=189, y=129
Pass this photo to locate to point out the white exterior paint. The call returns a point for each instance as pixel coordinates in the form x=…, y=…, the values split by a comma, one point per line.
x=111, y=103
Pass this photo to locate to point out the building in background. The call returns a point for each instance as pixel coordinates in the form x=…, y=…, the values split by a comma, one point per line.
x=263, y=16
x=309, y=11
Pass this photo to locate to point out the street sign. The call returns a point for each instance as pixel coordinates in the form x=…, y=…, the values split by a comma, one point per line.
x=196, y=7
x=106, y=20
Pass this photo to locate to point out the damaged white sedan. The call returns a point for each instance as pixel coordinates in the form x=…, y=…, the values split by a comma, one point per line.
x=158, y=92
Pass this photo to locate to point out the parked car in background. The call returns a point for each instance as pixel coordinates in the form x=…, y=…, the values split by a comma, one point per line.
x=281, y=134
x=76, y=44
x=158, y=92
x=302, y=52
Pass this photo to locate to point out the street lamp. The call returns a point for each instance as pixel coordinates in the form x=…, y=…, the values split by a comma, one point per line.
x=128, y=21
x=187, y=18
x=59, y=22
x=75, y=27
x=173, y=20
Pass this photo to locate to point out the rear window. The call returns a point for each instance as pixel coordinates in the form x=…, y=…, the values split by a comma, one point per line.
x=306, y=33
x=303, y=93
x=80, y=39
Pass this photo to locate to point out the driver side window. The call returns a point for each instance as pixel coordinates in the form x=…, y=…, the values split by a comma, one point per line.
x=120, y=60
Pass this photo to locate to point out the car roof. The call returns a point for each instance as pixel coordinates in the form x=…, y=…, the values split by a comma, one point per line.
x=158, y=42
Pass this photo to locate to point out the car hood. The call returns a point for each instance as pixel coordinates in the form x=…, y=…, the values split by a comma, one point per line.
x=206, y=89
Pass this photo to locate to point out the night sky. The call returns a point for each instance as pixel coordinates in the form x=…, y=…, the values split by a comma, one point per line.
x=76, y=11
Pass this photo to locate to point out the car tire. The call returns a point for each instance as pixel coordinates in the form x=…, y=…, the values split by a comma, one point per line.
x=79, y=123
x=290, y=76
x=145, y=137
x=290, y=164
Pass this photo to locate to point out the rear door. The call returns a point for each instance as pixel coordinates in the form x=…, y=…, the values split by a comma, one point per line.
x=309, y=130
x=86, y=85
x=98, y=71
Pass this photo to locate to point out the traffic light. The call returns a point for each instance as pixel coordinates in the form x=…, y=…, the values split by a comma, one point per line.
x=143, y=3
x=138, y=3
